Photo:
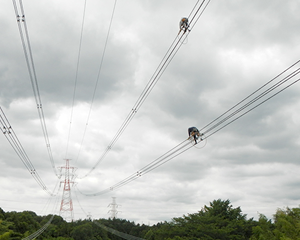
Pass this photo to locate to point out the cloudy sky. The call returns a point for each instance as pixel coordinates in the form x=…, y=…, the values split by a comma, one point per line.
x=234, y=49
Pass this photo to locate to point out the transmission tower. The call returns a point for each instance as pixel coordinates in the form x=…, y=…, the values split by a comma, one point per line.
x=89, y=216
x=66, y=207
x=114, y=207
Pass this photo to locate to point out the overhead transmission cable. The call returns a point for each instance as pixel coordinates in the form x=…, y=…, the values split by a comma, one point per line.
x=32, y=74
x=55, y=193
x=111, y=230
x=250, y=95
x=171, y=52
x=263, y=94
x=12, y=138
x=39, y=231
x=185, y=145
x=43, y=228
x=85, y=213
x=169, y=155
x=76, y=78
x=98, y=77
x=254, y=107
x=116, y=232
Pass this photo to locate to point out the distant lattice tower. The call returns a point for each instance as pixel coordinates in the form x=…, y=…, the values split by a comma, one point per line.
x=66, y=207
x=89, y=216
x=113, y=210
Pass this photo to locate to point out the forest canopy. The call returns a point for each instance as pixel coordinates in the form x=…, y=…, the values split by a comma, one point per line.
x=218, y=220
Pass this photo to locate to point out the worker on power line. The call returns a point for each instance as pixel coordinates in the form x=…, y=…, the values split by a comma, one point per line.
x=194, y=132
x=183, y=25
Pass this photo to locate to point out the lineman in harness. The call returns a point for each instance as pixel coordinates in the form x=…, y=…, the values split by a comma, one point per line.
x=194, y=132
x=183, y=25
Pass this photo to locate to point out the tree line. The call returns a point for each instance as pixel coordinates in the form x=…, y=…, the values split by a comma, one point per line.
x=218, y=220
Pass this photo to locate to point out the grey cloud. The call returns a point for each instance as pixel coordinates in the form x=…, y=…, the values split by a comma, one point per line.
x=235, y=48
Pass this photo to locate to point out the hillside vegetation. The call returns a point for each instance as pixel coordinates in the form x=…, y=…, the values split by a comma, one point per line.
x=218, y=220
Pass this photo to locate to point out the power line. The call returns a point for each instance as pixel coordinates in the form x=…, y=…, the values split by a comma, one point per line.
x=185, y=145
x=76, y=78
x=254, y=107
x=39, y=231
x=32, y=74
x=117, y=233
x=12, y=138
x=98, y=77
x=169, y=155
x=251, y=94
x=171, y=52
x=111, y=230
x=43, y=228
x=287, y=75
x=80, y=204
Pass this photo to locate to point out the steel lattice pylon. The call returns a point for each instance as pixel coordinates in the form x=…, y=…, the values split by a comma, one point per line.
x=114, y=207
x=66, y=206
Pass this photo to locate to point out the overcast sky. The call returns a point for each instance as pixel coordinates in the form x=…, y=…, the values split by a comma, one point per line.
x=235, y=48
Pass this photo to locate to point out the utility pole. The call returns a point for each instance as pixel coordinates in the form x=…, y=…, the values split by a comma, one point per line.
x=66, y=206
x=114, y=207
